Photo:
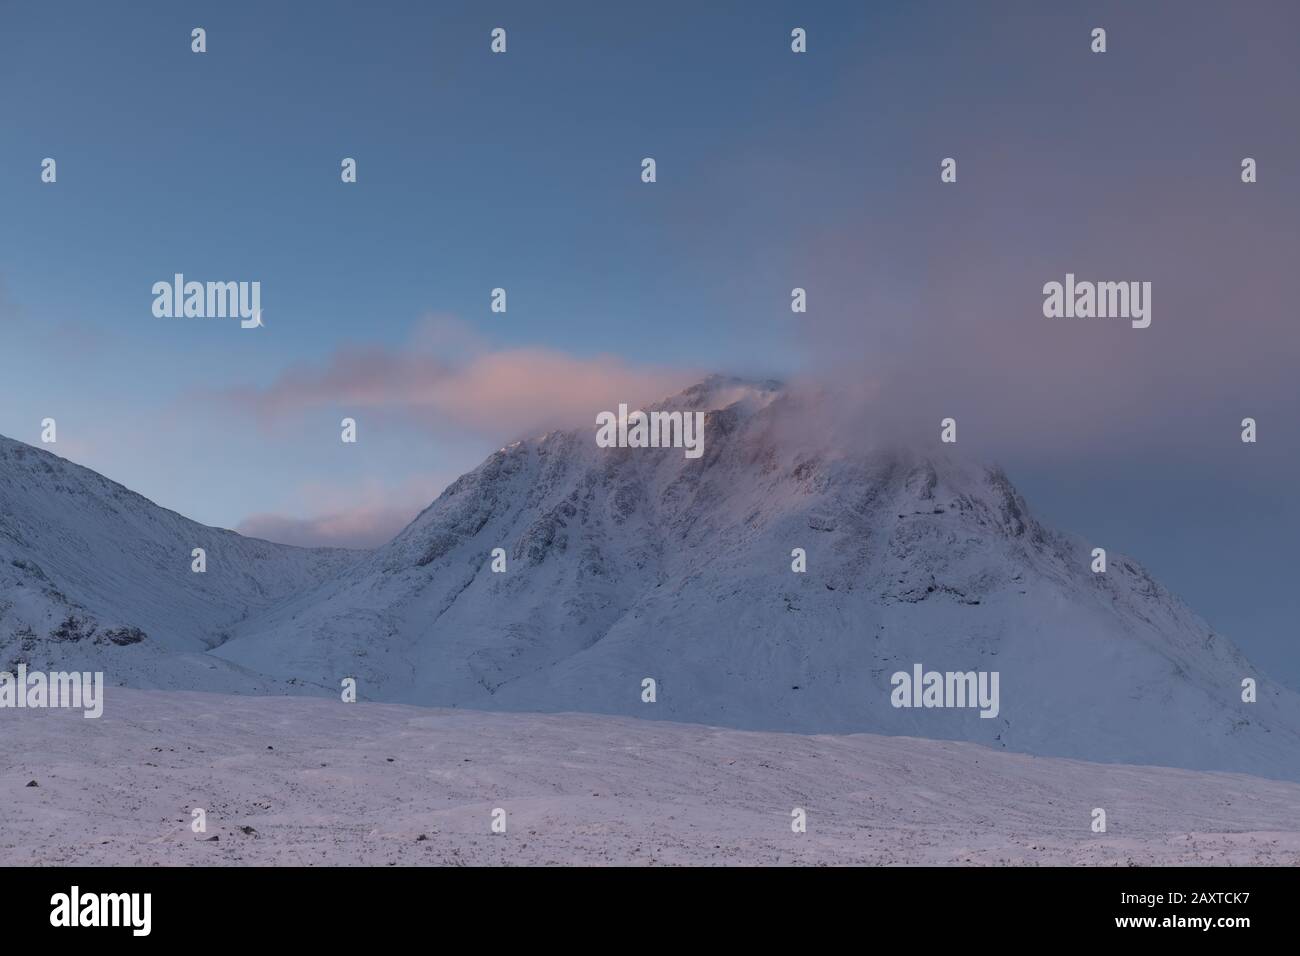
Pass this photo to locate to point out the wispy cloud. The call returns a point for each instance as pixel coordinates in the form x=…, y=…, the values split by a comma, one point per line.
x=359, y=528
x=448, y=377
x=365, y=514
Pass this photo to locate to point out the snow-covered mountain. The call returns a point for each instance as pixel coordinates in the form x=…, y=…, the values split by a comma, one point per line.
x=95, y=576
x=631, y=563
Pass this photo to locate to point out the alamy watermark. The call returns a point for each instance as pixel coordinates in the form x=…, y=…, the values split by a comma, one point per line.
x=76, y=690
x=923, y=688
x=209, y=300
x=1103, y=300
x=651, y=430
x=74, y=908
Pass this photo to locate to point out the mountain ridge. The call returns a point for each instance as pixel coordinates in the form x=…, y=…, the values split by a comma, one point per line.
x=90, y=568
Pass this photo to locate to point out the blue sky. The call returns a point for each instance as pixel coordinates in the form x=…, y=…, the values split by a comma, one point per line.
x=774, y=170
x=475, y=171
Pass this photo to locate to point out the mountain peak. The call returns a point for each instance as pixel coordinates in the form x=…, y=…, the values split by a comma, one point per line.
x=719, y=391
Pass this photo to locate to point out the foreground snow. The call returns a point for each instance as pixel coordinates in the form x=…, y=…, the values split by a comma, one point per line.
x=321, y=782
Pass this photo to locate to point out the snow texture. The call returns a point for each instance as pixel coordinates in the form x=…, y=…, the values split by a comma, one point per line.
x=316, y=782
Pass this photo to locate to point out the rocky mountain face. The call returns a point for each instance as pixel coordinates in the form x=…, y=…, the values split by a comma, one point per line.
x=627, y=564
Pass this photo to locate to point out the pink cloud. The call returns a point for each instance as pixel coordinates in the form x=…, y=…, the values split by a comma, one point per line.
x=366, y=527
x=448, y=377
x=363, y=515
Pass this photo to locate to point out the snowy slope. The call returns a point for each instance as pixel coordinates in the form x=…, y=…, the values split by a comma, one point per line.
x=95, y=576
x=634, y=563
x=318, y=782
